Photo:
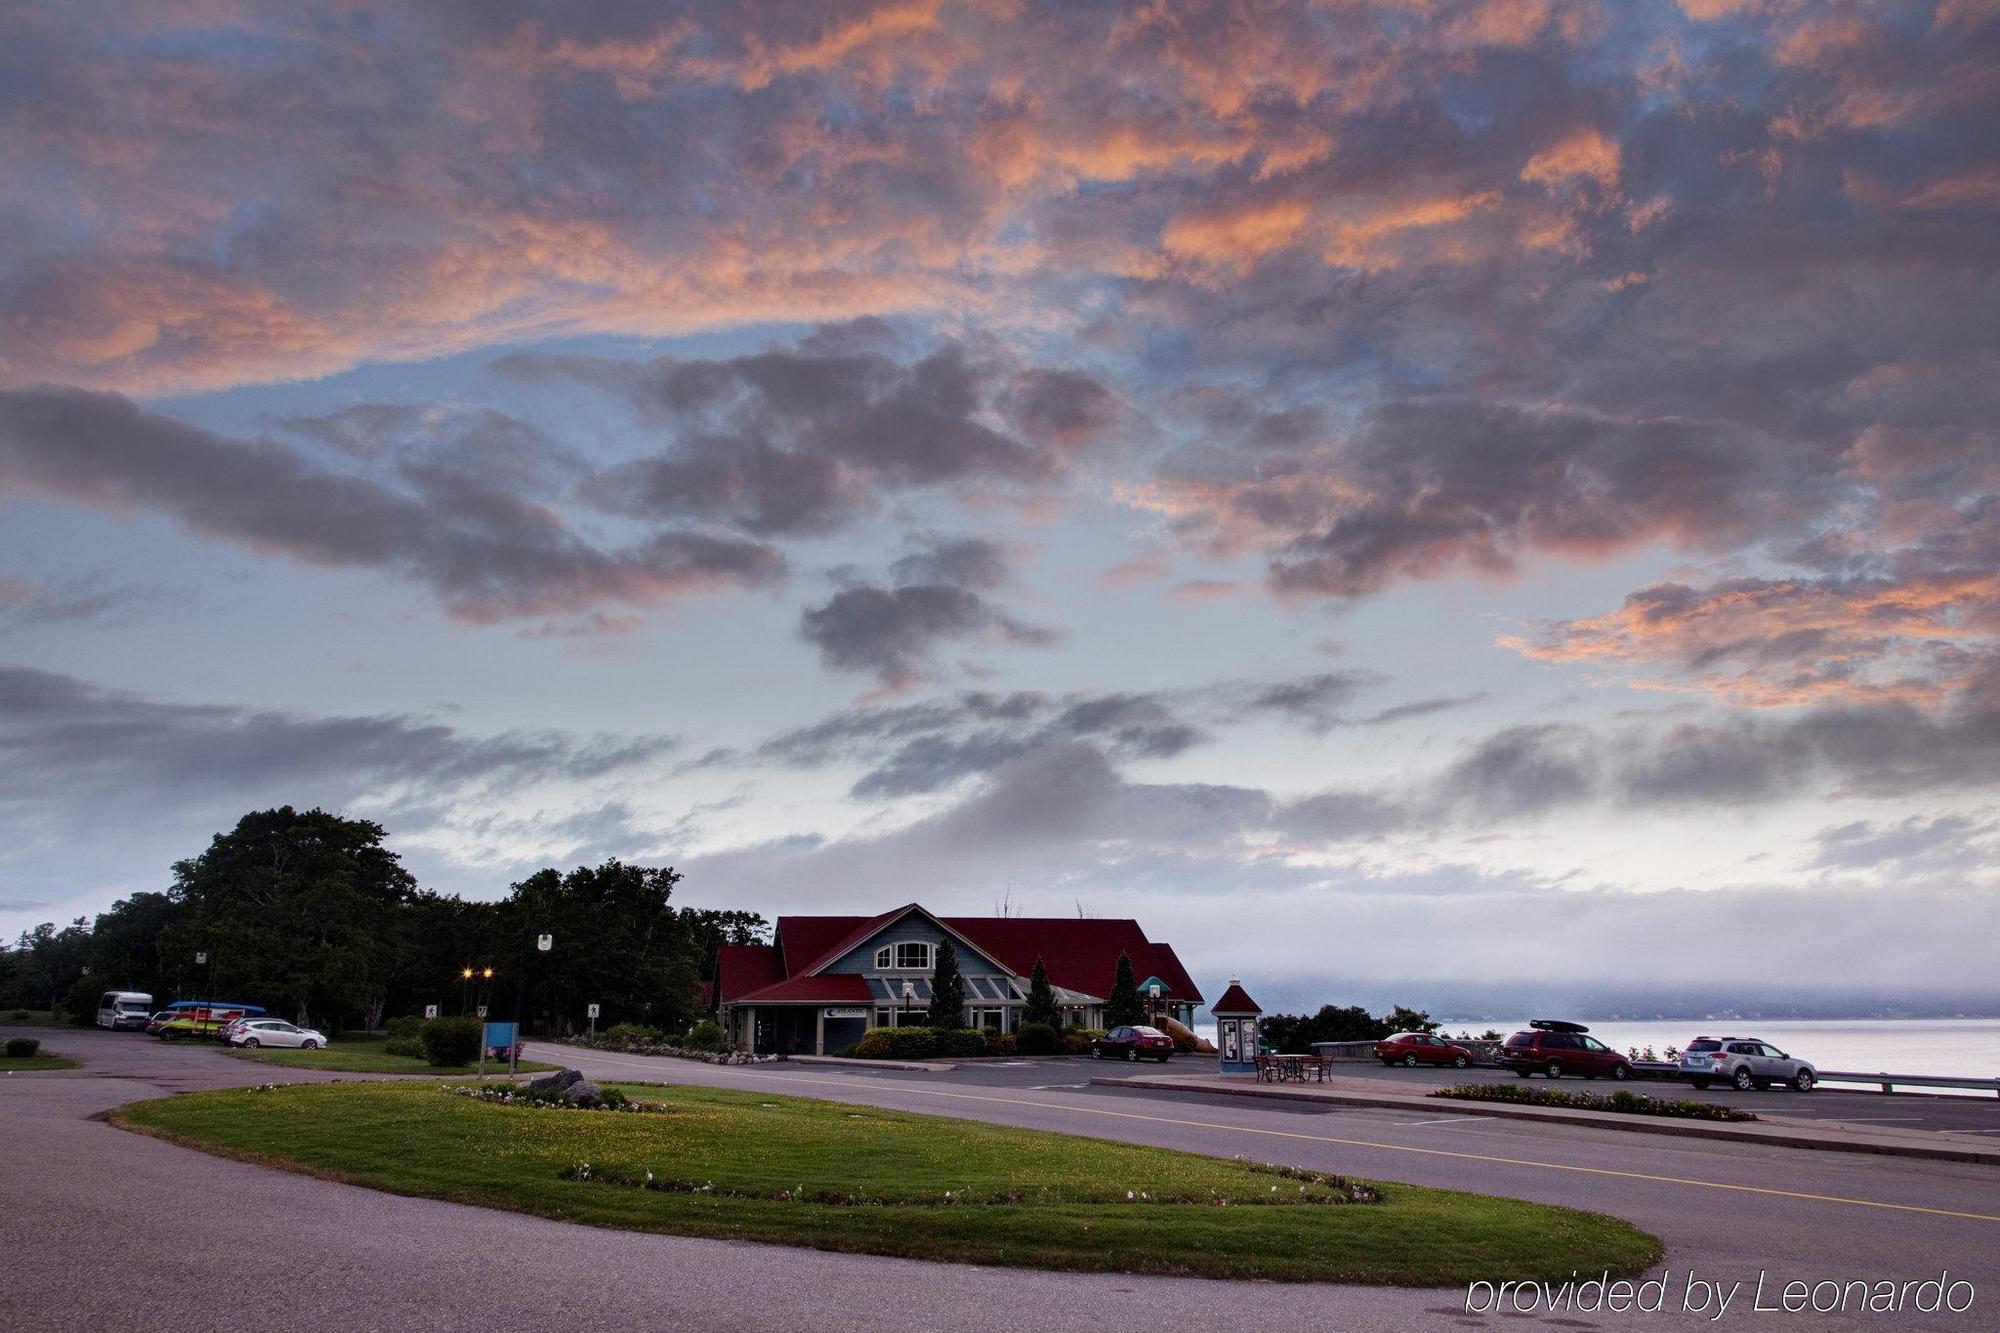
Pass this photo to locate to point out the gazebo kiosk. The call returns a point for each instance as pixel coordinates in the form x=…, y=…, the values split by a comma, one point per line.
x=1236, y=1034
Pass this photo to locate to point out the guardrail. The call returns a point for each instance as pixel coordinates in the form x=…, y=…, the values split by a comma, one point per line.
x=1487, y=1053
x=1889, y=1082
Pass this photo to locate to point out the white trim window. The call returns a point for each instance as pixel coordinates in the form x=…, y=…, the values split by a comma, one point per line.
x=904, y=956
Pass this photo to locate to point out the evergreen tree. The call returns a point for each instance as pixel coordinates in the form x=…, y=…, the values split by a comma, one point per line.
x=1041, y=1005
x=1122, y=1007
x=947, y=990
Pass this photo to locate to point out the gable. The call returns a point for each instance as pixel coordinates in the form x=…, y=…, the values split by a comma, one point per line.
x=914, y=924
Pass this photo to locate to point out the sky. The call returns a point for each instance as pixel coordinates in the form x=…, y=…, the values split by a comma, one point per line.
x=1413, y=492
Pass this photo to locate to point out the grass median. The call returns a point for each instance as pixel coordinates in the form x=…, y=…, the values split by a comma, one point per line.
x=857, y=1179
x=365, y=1055
x=39, y=1060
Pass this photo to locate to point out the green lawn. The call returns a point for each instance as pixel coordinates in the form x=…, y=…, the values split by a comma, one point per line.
x=39, y=1060
x=850, y=1178
x=32, y=1018
x=364, y=1055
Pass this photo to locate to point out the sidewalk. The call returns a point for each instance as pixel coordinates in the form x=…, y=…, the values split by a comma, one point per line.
x=1772, y=1131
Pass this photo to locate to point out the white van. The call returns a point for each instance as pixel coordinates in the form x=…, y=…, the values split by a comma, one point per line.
x=124, y=1009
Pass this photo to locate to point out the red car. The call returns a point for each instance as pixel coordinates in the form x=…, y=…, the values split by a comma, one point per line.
x=1411, y=1049
x=1133, y=1044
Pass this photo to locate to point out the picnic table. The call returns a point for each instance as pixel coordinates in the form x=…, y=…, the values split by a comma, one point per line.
x=1291, y=1068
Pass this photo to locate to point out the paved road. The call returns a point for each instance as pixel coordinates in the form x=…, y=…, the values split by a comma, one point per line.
x=107, y=1229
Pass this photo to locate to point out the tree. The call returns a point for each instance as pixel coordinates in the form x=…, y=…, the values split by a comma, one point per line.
x=618, y=943
x=1041, y=1006
x=295, y=911
x=947, y=990
x=1401, y=1019
x=1122, y=1007
x=711, y=929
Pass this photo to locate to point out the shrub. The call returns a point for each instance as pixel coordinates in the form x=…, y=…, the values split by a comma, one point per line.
x=22, y=1047
x=874, y=1046
x=1000, y=1043
x=1628, y=1103
x=1037, y=1039
x=408, y=1047
x=703, y=1036
x=961, y=1042
x=409, y=1026
x=1076, y=1041
x=81, y=1001
x=633, y=1034
x=452, y=1041
x=20, y=1015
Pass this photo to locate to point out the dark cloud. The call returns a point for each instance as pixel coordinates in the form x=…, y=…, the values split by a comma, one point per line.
x=1318, y=702
x=486, y=550
x=892, y=633
x=803, y=439
x=1948, y=845
x=1421, y=708
x=65, y=738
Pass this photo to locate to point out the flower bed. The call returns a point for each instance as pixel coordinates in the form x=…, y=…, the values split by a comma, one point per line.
x=1624, y=1103
x=644, y=1043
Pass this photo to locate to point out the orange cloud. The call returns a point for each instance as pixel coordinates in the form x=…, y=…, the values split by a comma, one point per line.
x=1588, y=153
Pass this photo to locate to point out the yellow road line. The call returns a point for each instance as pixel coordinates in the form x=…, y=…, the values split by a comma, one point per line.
x=1383, y=1147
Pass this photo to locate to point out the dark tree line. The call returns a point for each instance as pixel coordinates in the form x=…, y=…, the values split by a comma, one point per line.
x=1295, y=1033
x=309, y=915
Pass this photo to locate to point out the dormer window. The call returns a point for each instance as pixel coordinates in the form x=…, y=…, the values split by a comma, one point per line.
x=906, y=955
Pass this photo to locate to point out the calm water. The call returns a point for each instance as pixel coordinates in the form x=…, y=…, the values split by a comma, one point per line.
x=1954, y=1046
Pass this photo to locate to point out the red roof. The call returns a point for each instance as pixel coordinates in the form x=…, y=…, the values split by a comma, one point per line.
x=742, y=968
x=1235, y=1000
x=809, y=941
x=1080, y=955
x=841, y=988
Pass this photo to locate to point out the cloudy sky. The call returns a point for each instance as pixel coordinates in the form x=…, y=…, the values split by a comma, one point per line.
x=1374, y=490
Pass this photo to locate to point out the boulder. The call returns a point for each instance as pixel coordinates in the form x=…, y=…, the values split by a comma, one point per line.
x=560, y=1081
x=581, y=1092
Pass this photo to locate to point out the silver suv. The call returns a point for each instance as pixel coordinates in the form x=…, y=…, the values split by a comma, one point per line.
x=1744, y=1061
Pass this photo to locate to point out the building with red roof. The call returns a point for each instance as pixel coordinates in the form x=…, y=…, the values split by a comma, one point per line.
x=825, y=981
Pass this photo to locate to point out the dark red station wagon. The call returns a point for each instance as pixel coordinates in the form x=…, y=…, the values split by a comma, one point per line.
x=1553, y=1048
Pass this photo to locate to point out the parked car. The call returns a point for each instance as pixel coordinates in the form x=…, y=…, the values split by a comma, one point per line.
x=199, y=1018
x=1133, y=1043
x=123, y=1009
x=255, y=1032
x=1552, y=1047
x=1746, y=1062
x=1411, y=1049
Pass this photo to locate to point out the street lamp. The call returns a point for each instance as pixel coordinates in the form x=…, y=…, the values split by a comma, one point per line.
x=909, y=996
x=465, y=991
x=1153, y=993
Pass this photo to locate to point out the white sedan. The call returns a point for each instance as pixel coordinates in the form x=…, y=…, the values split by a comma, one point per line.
x=275, y=1032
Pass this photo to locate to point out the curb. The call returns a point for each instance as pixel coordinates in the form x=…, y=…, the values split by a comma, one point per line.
x=1631, y=1124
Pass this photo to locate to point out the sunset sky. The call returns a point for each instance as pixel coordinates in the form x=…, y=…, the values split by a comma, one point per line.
x=1377, y=491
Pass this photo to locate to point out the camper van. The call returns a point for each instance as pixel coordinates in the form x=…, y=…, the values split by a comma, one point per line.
x=124, y=1009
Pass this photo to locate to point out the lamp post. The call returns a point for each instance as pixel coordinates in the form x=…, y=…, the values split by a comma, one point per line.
x=465, y=992
x=909, y=996
x=1153, y=994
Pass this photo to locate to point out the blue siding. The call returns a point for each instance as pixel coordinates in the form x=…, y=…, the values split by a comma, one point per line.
x=915, y=926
